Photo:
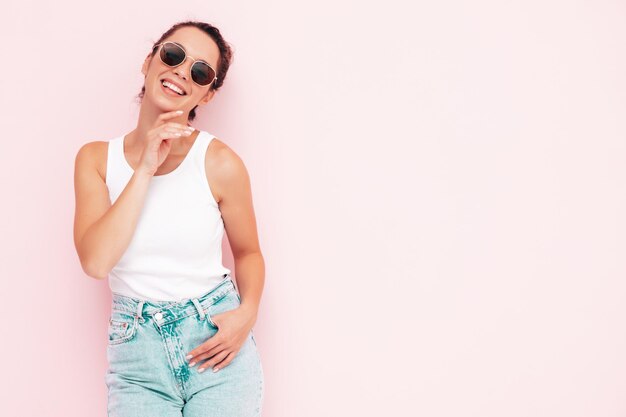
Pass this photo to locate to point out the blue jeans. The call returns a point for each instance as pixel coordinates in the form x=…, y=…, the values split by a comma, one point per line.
x=148, y=374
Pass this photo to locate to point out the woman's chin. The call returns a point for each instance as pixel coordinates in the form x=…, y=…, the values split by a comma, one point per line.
x=165, y=104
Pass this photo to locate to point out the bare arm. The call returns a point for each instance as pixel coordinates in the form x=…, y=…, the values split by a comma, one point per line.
x=231, y=185
x=102, y=232
x=235, y=202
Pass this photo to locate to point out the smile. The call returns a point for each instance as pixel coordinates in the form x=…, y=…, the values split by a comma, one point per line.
x=169, y=86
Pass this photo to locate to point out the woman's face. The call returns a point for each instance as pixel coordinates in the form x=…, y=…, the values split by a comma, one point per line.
x=198, y=45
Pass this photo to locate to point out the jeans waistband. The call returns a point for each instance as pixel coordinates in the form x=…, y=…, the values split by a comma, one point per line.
x=172, y=310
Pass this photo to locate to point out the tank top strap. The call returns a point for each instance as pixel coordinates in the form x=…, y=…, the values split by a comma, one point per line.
x=199, y=152
x=116, y=164
x=114, y=151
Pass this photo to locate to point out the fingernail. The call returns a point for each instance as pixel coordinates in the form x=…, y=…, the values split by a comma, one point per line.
x=216, y=369
x=201, y=370
x=188, y=357
x=179, y=111
x=191, y=364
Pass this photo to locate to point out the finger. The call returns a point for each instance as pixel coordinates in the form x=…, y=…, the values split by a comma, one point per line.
x=180, y=125
x=229, y=358
x=211, y=343
x=215, y=359
x=169, y=135
x=176, y=133
x=168, y=115
x=176, y=129
x=208, y=353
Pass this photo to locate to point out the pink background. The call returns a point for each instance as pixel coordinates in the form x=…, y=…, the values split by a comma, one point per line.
x=439, y=189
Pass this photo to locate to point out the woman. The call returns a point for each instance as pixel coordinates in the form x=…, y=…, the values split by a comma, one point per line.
x=151, y=209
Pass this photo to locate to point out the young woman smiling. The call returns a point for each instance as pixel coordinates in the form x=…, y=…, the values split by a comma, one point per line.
x=151, y=210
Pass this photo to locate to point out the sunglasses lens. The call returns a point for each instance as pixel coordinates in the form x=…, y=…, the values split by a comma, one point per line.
x=172, y=54
x=202, y=73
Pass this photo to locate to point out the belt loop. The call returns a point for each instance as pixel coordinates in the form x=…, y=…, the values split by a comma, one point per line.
x=140, y=311
x=198, y=307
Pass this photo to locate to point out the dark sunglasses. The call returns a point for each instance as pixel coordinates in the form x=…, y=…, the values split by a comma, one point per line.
x=173, y=54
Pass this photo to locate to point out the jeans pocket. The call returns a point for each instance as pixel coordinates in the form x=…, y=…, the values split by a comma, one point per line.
x=229, y=301
x=122, y=327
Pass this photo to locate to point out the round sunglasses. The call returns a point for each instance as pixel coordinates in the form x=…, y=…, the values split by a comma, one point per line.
x=173, y=54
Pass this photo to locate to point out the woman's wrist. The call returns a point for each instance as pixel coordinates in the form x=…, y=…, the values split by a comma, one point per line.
x=250, y=310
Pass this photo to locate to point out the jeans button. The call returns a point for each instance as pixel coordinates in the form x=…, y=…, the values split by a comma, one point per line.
x=158, y=316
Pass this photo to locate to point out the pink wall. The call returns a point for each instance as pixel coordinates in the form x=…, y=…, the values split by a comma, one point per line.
x=439, y=190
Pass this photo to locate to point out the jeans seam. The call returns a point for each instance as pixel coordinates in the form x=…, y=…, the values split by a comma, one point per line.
x=133, y=331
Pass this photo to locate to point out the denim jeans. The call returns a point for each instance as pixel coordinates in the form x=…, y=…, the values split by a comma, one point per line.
x=148, y=375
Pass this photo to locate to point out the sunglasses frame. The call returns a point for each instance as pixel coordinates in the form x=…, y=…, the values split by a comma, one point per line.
x=187, y=56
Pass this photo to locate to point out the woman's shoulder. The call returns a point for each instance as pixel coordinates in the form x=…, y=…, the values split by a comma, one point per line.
x=93, y=155
x=221, y=155
x=224, y=167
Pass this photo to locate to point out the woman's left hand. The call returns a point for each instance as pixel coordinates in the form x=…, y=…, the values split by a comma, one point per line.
x=233, y=329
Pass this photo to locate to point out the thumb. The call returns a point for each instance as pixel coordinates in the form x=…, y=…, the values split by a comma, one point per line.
x=217, y=319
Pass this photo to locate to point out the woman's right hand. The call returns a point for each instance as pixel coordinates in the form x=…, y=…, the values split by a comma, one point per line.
x=159, y=141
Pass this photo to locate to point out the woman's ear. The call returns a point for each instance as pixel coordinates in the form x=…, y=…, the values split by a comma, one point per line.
x=204, y=100
x=146, y=64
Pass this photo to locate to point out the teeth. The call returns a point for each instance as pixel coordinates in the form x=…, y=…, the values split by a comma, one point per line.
x=173, y=87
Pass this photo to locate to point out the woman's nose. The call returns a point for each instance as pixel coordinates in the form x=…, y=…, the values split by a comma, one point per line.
x=182, y=71
x=185, y=68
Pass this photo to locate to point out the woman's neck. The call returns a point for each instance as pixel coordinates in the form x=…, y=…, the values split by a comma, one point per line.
x=147, y=117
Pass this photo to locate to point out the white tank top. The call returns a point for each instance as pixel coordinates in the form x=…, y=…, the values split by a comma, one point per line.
x=176, y=250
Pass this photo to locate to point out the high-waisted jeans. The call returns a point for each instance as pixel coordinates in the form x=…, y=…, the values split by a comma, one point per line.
x=148, y=374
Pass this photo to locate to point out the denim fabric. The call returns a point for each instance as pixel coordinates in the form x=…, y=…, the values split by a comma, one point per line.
x=148, y=375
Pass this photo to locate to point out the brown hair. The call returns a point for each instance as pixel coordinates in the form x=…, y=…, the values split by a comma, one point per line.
x=224, y=61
